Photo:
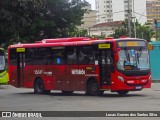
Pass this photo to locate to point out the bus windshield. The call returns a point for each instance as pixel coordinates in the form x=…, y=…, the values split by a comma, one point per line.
x=133, y=58
x=2, y=62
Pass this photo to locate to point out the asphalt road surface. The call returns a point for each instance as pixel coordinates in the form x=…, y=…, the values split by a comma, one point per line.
x=21, y=99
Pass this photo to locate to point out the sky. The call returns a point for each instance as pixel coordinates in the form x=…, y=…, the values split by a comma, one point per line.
x=92, y=2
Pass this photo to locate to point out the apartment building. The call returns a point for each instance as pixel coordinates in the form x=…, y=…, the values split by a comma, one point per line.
x=111, y=10
x=115, y=10
x=153, y=10
x=89, y=18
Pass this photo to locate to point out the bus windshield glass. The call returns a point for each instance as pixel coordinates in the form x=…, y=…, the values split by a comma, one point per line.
x=133, y=57
x=2, y=61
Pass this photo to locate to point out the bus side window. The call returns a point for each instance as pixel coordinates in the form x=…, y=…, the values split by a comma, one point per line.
x=58, y=56
x=13, y=57
x=30, y=54
x=86, y=55
x=71, y=55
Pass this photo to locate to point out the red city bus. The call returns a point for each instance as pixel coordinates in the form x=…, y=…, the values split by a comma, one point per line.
x=119, y=65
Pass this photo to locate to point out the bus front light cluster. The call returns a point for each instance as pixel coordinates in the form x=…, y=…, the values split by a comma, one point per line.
x=121, y=78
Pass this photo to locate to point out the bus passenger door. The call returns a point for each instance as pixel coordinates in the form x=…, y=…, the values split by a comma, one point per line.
x=20, y=66
x=105, y=66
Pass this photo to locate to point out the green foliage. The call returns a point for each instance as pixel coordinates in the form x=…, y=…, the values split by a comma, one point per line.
x=31, y=20
x=78, y=33
x=142, y=31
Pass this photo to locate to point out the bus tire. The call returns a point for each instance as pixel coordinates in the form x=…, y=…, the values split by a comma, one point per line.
x=93, y=88
x=39, y=86
x=122, y=92
x=67, y=92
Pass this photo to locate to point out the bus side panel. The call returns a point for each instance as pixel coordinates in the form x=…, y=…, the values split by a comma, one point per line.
x=48, y=78
x=29, y=76
x=13, y=76
x=33, y=72
x=77, y=75
x=58, y=75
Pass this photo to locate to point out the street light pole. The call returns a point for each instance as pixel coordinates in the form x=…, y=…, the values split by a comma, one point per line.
x=129, y=19
x=135, y=32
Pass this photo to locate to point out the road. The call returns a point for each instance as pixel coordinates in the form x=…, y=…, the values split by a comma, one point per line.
x=21, y=99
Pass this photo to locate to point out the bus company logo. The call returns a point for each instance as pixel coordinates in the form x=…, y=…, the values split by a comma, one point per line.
x=6, y=114
x=21, y=114
x=78, y=72
x=38, y=72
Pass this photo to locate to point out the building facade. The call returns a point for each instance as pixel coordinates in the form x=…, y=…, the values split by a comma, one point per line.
x=89, y=18
x=153, y=10
x=105, y=29
x=112, y=10
x=115, y=10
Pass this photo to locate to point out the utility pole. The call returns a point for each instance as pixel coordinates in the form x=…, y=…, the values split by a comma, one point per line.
x=135, y=32
x=129, y=19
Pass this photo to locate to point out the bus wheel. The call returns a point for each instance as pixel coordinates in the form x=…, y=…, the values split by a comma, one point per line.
x=39, y=86
x=67, y=92
x=122, y=92
x=93, y=89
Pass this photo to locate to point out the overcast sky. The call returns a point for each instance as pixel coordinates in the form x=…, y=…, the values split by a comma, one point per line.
x=92, y=2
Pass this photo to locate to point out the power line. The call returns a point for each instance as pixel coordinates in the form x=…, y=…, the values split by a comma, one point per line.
x=116, y=12
x=104, y=14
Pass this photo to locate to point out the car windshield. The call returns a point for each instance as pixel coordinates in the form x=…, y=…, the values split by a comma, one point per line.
x=2, y=62
x=133, y=59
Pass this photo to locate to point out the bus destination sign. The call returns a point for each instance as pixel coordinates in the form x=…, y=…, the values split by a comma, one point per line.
x=131, y=43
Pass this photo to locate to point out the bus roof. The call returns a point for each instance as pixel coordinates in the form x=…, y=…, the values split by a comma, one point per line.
x=63, y=40
x=67, y=42
x=58, y=44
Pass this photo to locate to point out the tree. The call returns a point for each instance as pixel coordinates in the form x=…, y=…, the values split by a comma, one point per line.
x=143, y=31
x=15, y=16
x=31, y=20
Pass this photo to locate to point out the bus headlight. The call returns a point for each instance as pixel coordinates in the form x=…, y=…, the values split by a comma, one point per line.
x=121, y=78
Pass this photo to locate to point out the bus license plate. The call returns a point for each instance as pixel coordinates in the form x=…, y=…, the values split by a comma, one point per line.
x=138, y=87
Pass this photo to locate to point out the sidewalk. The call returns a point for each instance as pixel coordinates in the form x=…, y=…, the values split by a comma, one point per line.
x=155, y=86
